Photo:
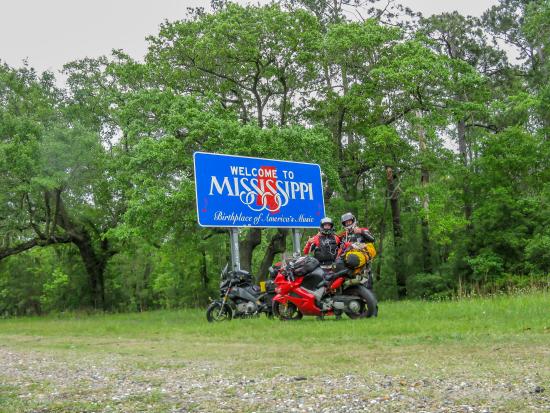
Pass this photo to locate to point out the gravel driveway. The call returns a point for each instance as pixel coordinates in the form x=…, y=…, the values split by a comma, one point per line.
x=33, y=381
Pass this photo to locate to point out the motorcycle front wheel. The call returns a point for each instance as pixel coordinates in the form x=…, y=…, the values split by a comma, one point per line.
x=215, y=312
x=286, y=312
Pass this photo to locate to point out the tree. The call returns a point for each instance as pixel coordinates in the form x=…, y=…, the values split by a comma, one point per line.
x=387, y=78
x=425, y=131
x=257, y=61
x=51, y=171
x=474, y=63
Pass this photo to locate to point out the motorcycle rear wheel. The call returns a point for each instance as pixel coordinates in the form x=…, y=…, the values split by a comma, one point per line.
x=286, y=312
x=369, y=305
x=215, y=313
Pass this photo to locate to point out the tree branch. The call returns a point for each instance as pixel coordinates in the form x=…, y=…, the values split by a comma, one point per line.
x=30, y=209
x=27, y=245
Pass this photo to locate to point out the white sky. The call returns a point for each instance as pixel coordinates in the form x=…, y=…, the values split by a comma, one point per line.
x=49, y=33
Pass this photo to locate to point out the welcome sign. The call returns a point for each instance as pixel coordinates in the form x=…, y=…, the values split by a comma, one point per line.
x=237, y=191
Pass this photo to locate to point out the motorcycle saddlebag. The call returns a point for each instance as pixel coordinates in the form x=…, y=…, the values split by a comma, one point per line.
x=305, y=265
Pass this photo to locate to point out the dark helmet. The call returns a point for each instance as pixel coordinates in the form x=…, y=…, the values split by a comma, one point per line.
x=327, y=220
x=346, y=217
x=352, y=261
x=339, y=264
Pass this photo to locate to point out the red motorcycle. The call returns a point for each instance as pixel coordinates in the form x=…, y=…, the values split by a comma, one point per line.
x=303, y=288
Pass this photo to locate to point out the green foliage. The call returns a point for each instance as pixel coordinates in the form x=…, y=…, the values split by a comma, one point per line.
x=537, y=251
x=485, y=266
x=424, y=285
x=54, y=291
x=429, y=135
x=42, y=280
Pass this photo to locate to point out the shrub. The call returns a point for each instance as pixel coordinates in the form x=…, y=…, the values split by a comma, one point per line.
x=423, y=285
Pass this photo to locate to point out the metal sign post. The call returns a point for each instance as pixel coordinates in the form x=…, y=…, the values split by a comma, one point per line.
x=235, y=257
x=296, y=242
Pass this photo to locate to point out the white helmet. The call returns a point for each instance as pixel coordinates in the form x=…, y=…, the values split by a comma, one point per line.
x=347, y=217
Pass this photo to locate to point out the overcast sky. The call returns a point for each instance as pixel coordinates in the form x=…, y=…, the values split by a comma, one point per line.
x=50, y=33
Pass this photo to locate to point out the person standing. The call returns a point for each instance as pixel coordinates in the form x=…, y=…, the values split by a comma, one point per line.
x=354, y=234
x=324, y=244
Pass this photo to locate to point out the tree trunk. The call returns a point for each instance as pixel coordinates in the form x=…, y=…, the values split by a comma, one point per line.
x=27, y=245
x=204, y=271
x=95, y=267
x=424, y=181
x=393, y=194
x=277, y=244
x=247, y=247
x=259, y=104
x=426, y=244
x=143, y=286
x=463, y=149
x=94, y=261
x=284, y=102
x=338, y=131
x=381, y=242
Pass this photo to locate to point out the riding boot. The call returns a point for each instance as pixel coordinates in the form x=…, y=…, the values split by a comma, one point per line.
x=369, y=278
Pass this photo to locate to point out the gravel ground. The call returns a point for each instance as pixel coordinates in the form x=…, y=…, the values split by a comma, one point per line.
x=74, y=382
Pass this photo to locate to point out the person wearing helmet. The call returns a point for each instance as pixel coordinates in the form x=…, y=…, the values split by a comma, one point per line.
x=325, y=244
x=353, y=234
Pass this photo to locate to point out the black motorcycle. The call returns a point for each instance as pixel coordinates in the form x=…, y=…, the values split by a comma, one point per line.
x=240, y=298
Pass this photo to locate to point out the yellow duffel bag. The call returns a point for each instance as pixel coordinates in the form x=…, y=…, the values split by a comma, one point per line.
x=359, y=255
x=371, y=250
x=366, y=248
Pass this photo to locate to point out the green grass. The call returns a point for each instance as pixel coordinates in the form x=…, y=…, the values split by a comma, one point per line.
x=503, y=336
x=499, y=321
x=516, y=319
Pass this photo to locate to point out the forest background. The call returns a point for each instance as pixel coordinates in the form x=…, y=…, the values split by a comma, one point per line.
x=424, y=128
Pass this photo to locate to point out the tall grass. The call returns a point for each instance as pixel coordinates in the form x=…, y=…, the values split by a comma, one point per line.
x=473, y=319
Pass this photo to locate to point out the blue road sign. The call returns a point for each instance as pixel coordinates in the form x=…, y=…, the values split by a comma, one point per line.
x=237, y=191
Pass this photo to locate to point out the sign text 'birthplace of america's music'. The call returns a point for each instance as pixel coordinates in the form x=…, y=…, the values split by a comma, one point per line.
x=237, y=191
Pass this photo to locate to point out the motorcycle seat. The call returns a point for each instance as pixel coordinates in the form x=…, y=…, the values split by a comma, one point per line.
x=317, y=272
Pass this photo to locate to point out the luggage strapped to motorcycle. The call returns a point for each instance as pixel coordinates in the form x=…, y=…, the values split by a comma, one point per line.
x=305, y=265
x=365, y=253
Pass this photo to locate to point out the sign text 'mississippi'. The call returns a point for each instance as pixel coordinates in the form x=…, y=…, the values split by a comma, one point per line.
x=260, y=188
